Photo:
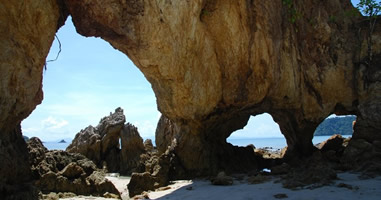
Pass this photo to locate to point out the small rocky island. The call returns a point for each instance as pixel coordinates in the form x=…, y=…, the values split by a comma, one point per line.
x=62, y=141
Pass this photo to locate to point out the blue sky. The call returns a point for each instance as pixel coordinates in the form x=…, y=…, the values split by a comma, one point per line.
x=89, y=80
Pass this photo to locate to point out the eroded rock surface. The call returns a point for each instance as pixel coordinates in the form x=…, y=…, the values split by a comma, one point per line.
x=27, y=31
x=112, y=144
x=212, y=64
x=60, y=171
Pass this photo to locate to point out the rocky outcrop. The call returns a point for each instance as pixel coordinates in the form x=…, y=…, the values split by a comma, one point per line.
x=15, y=173
x=27, y=31
x=165, y=133
x=212, y=65
x=111, y=144
x=235, y=59
x=132, y=148
x=59, y=171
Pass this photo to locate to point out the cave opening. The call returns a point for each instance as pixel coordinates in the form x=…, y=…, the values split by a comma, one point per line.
x=334, y=125
x=261, y=131
x=89, y=80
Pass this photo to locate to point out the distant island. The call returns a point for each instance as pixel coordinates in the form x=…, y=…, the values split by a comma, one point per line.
x=26, y=138
x=62, y=141
x=336, y=125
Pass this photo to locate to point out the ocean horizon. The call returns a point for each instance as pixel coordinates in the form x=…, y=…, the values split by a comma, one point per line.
x=271, y=142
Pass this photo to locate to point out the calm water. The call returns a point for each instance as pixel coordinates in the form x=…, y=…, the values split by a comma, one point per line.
x=56, y=145
x=276, y=143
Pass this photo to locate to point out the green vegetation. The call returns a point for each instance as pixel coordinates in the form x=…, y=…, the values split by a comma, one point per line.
x=336, y=125
x=293, y=13
x=371, y=9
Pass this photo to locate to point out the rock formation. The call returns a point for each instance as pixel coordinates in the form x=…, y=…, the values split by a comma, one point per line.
x=212, y=65
x=27, y=31
x=60, y=171
x=111, y=144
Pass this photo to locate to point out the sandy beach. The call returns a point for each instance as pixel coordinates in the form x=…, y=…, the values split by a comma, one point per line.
x=348, y=186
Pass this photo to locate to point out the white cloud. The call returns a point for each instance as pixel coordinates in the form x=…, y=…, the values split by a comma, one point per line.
x=53, y=123
x=146, y=128
x=260, y=126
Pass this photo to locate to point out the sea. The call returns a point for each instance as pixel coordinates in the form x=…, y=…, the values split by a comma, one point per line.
x=274, y=142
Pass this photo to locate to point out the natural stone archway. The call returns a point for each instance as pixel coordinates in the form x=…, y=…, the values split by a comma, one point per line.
x=211, y=64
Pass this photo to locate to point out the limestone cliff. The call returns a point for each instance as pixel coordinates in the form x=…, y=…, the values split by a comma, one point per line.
x=27, y=31
x=212, y=64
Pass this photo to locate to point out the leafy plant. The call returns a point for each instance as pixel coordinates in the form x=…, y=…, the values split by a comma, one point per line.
x=294, y=14
x=371, y=9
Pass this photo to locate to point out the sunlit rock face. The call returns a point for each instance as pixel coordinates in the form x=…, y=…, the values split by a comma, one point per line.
x=27, y=31
x=212, y=64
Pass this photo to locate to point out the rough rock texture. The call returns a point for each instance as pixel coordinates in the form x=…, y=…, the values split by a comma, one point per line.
x=165, y=133
x=233, y=59
x=15, y=173
x=132, y=148
x=111, y=144
x=158, y=170
x=27, y=31
x=59, y=171
x=212, y=64
x=222, y=179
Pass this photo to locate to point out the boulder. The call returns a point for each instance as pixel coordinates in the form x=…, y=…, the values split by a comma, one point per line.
x=60, y=171
x=72, y=171
x=141, y=182
x=222, y=179
x=334, y=143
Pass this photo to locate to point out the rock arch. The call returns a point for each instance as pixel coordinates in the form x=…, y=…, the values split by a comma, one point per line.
x=211, y=64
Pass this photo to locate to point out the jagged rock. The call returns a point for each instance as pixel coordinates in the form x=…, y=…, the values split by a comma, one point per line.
x=132, y=148
x=222, y=179
x=60, y=171
x=165, y=133
x=148, y=146
x=111, y=143
x=102, y=142
x=211, y=64
x=334, y=143
x=36, y=150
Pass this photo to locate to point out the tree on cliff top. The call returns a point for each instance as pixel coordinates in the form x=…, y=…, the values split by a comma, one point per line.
x=371, y=9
